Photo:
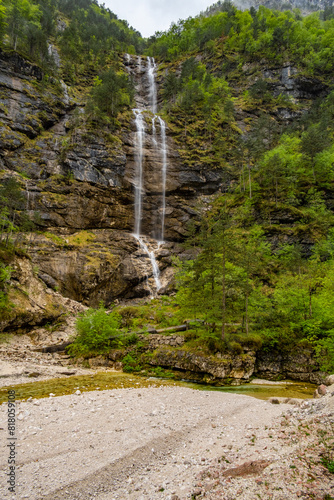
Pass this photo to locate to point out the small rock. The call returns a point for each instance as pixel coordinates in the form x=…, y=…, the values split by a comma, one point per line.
x=274, y=401
x=51, y=394
x=322, y=389
x=329, y=380
x=78, y=393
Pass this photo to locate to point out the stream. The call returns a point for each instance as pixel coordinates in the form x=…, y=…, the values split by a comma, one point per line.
x=119, y=380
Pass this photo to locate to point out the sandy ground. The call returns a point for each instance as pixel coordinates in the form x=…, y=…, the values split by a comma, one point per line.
x=20, y=363
x=155, y=443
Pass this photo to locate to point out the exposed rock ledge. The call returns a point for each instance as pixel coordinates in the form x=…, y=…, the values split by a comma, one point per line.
x=222, y=368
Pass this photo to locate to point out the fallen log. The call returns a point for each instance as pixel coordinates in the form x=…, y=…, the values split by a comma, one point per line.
x=54, y=348
x=179, y=328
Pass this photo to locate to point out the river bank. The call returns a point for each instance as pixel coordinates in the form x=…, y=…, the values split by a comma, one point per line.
x=149, y=439
x=167, y=443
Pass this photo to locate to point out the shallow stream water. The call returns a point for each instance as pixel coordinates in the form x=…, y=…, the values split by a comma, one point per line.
x=117, y=380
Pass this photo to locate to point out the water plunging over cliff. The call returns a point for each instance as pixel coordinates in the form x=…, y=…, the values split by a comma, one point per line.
x=140, y=137
x=151, y=67
x=164, y=174
x=160, y=147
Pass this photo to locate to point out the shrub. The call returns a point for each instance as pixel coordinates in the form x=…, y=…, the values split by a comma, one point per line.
x=96, y=332
x=251, y=341
x=235, y=347
x=324, y=349
x=130, y=339
x=127, y=314
x=131, y=364
x=190, y=335
x=214, y=343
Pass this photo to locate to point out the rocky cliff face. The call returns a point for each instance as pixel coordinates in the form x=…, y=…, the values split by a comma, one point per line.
x=32, y=302
x=81, y=181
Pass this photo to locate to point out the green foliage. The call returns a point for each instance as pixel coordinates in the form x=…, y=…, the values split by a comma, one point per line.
x=324, y=349
x=5, y=275
x=131, y=363
x=252, y=35
x=5, y=304
x=97, y=332
x=12, y=218
x=110, y=94
x=88, y=35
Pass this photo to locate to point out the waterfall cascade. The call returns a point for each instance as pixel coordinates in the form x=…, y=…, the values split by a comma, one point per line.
x=160, y=146
x=140, y=137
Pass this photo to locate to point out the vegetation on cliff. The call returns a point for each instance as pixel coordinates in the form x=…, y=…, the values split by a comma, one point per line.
x=266, y=259
x=87, y=34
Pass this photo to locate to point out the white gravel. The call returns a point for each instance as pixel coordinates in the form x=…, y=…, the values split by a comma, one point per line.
x=131, y=443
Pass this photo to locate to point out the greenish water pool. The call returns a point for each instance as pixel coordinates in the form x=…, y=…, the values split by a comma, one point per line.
x=263, y=391
x=117, y=380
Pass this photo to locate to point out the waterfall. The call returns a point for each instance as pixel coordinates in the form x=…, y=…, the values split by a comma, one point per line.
x=154, y=264
x=161, y=148
x=140, y=136
x=151, y=67
x=164, y=174
x=154, y=132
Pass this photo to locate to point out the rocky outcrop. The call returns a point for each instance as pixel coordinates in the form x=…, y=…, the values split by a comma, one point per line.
x=98, y=265
x=31, y=303
x=296, y=365
x=207, y=368
x=238, y=368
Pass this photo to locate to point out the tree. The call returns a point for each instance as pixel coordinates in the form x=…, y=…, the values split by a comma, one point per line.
x=314, y=141
x=253, y=252
x=112, y=92
x=20, y=14
x=3, y=24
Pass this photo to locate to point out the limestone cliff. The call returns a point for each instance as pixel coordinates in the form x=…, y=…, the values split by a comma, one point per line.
x=82, y=181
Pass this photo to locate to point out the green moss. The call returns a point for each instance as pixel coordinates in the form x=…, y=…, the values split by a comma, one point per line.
x=81, y=239
x=58, y=240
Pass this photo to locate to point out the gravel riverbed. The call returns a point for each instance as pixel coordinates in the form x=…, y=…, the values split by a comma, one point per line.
x=166, y=442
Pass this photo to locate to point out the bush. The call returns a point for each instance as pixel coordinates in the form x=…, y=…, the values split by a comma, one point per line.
x=250, y=341
x=96, y=332
x=131, y=364
x=127, y=314
x=235, y=347
x=130, y=339
x=324, y=349
x=190, y=335
x=214, y=343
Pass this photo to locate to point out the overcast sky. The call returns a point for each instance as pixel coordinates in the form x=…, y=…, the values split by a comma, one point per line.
x=149, y=16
